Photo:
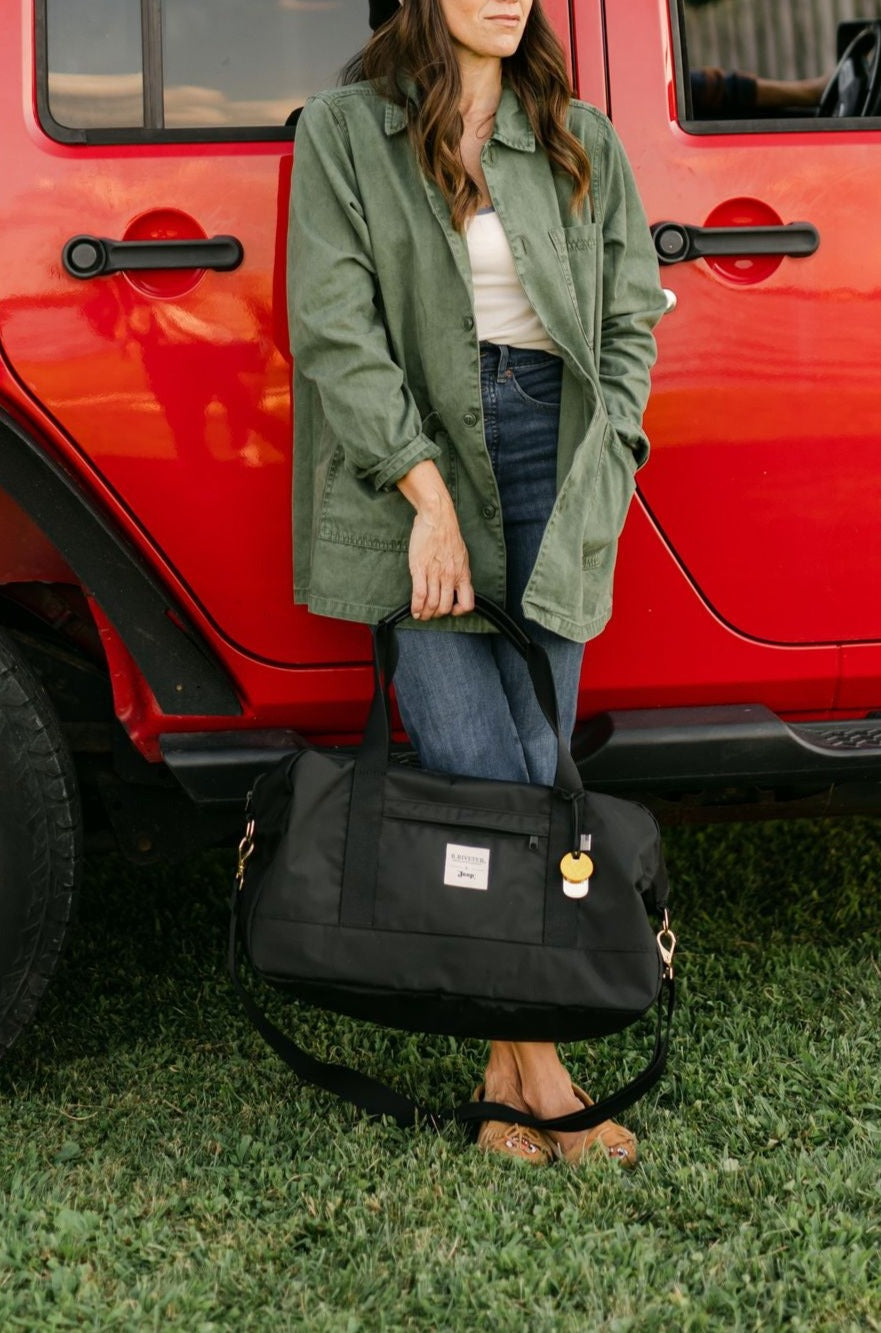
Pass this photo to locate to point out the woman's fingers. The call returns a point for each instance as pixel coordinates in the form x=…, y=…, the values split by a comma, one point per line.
x=432, y=601
x=420, y=590
x=447, y=593
x=438, y=556
x=439, y=568
x=464, y=594
x=440, y=585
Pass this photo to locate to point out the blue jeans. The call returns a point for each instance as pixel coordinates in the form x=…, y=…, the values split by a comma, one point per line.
x=466, y=699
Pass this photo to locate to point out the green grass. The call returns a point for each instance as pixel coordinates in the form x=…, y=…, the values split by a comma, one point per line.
x=160, y=1169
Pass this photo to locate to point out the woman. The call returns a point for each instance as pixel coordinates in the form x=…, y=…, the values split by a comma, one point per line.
x=473, y=290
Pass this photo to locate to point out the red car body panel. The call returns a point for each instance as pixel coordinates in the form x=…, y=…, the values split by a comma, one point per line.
x=764, y=412
x=749, y=563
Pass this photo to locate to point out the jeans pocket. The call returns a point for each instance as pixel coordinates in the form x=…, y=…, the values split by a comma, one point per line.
x=539, y=383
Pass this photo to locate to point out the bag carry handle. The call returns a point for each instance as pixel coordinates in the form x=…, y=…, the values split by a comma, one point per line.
x=378, y=1100
x=361, y=857
x=374, y=751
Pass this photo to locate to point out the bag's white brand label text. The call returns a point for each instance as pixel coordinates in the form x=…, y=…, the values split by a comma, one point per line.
x=466, y=867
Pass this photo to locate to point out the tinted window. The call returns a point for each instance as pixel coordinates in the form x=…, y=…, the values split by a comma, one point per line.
x=206, y=64
x=95, y=65
x=229, y=63
x=760, y=60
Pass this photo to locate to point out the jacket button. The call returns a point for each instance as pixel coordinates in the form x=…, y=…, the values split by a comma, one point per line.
x=470, y=418
x=468, y=323
x=488, y=511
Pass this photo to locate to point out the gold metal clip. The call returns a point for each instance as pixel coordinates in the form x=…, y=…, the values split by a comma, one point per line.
x=246, y=847
x=666, y=946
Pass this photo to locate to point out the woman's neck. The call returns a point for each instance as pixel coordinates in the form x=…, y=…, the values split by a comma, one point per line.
x=481, y=79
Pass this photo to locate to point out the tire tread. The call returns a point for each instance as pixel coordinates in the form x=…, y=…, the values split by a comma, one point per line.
x=33, y=747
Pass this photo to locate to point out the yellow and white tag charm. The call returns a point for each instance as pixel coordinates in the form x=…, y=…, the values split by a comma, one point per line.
x=577, y=869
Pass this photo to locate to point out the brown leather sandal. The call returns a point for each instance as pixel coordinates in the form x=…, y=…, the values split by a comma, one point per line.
x=607, y=1138
x=526, y=1145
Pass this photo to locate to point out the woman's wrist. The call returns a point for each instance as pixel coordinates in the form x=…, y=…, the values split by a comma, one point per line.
x=425, y=489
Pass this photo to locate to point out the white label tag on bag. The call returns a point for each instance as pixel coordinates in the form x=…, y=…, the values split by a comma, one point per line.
x=466, y=867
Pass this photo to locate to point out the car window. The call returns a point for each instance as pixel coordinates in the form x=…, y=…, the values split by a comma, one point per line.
x=171, y=66
x=95, y=69
x=766, y=63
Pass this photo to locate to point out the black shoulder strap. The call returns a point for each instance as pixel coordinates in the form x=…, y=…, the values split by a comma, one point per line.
x=368, y=1094
x=378, y=1100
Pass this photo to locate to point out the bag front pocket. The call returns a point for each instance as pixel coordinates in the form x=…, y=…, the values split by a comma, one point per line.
x=453, y=872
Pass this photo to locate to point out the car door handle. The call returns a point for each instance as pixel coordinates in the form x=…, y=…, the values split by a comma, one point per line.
x=675, y=242
x=94, y=256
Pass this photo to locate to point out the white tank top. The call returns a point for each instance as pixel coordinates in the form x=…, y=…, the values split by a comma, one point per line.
x=501, y=307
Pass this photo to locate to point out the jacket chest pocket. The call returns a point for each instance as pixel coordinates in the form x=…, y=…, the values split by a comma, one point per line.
x=579, y=254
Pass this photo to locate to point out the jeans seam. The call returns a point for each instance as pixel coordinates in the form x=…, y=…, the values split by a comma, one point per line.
x=490, y=420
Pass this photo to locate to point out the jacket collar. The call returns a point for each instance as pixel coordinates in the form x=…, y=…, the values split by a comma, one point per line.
x=511, y=127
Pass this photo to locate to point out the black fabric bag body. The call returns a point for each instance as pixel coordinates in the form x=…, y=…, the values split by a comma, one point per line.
x=461, y=924
x=437, y=903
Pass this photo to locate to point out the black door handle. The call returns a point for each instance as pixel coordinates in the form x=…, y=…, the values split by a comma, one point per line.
x=93, y=256
x=675, y=242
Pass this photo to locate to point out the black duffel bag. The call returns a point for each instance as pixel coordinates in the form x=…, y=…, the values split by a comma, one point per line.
x=466, y=906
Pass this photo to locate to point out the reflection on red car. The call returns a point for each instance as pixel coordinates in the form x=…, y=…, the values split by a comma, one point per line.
x=151, y=656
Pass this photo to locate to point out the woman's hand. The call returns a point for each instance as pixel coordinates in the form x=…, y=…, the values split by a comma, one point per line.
x=439, y=563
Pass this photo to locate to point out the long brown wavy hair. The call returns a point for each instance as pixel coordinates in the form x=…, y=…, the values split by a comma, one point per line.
x=416, y=42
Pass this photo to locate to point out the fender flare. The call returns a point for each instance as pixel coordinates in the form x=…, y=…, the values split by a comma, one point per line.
x=177, y=663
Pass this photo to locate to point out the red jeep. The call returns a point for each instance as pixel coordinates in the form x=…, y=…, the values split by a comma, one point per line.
x=151, y=657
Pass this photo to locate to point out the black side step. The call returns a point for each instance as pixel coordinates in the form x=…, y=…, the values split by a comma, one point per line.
x=661, y=751
x=687, y=749
x=219, y=767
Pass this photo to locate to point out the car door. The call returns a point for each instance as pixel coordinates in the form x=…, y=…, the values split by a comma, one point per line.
x=765, y=412
x=156, y=122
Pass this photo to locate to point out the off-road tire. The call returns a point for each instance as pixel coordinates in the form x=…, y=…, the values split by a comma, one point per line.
x=40, y=841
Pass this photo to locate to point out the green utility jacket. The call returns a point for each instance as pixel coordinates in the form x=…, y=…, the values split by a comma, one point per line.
x=388, y=367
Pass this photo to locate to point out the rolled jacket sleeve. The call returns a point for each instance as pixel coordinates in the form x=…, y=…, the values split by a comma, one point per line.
x=633, y=301
x=338, y=337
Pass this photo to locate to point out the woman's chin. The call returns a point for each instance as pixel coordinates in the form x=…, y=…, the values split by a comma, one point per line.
x=498, y=44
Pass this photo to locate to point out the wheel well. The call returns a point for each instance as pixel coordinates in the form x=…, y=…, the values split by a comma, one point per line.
x=182, y=672
x=128, y=804
x=53, y=627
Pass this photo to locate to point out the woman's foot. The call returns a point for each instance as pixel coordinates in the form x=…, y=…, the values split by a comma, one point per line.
x=607, y=1139
x=517, y=1141
x=530, y=1075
